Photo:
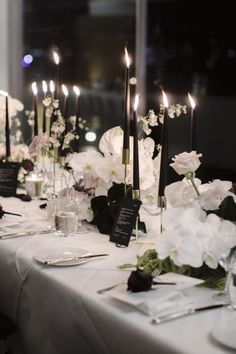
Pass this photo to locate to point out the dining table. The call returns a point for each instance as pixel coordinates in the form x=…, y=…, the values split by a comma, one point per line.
x=67, y=307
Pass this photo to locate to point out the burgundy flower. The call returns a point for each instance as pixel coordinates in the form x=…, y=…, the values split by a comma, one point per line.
x=139, y=280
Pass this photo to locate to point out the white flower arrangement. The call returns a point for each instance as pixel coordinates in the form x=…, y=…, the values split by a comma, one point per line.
x=152, y=119
x=58, y=136
x=193, y=236
x=102, y=169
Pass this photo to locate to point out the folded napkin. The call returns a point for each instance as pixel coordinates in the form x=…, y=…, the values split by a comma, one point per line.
x=162, y=299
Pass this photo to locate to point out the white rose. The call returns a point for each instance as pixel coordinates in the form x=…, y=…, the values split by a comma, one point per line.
x=186, y=162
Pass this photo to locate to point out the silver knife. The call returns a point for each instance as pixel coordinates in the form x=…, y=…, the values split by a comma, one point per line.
x=173, y=316
x=73, y=259
x=23, y=233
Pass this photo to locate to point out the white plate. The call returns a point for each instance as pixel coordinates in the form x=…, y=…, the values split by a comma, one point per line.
x=55, y=253
x=225, y=333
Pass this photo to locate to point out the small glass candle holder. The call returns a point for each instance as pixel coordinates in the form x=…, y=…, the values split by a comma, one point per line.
x=34, y=184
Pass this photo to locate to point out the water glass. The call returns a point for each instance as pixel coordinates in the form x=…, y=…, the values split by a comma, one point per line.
x=66, y=216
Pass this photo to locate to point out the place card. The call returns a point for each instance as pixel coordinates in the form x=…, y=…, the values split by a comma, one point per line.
x=125, y=221
x=8, y=178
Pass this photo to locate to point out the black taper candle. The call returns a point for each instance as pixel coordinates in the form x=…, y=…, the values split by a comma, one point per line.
x=164, y=151
x=7, y=132
x=77, y=116
x=126, y=114
x=193, y=130
x=193, y=143
x=77, y=92
x=35, y=116
x=126, y=111
x=45, y=88
x=44, y=119
x=65, y=109
x=52, y=93
x=35, y=92
x=135, y=147
x=57, y=75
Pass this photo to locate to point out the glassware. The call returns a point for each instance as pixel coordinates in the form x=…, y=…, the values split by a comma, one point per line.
x=80, y=197
x=231, y=281
x=66, y=216
x=224, y=261
x=34, y=184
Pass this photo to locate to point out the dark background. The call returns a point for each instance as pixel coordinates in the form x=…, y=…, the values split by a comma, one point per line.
x=191, y=47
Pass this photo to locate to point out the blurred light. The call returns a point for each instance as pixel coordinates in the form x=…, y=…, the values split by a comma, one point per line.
x=51, y=86
x=133, y=81
x=44, y=86
x=192, y=102
x=56, y=57
x=90, y=136
x=136, y=102
x=76, y=90
x=127, y=58
x=165, y=99
x=27, y=60
x=64, y=90
x=34, y=88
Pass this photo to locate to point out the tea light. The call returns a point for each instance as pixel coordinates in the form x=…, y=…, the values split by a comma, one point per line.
x=34, y=185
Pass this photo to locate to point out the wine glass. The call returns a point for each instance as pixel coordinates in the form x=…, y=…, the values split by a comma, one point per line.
x=224, y=262
x=81, y=198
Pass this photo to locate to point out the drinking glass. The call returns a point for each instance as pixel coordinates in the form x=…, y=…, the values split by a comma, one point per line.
x=80, y=196
x=66, y=216
x=224, y=261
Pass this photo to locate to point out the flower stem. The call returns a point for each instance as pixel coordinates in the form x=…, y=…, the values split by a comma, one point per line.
x=194, y=186
x=191, y=176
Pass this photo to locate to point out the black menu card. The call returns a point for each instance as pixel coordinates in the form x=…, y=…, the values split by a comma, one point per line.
x=125, y=221
x=8, y=178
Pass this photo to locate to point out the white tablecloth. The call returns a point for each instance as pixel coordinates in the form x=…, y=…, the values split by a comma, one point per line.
x=58, y=310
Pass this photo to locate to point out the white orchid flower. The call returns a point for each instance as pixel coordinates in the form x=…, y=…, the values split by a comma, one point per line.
x=85, y=161
x=110, y=169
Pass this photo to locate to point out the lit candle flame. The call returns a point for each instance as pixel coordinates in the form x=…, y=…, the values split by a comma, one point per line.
x=56, y=58
x=165, y=100
x=192, y=102
x=51, y=86
x=76, y=90
x=34, y=88
x=44, y=86
x=3, y=93
x=127, y=58
x=64, y=90
x=136, y=102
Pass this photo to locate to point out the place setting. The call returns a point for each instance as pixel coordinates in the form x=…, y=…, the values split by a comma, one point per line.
x=64, y=257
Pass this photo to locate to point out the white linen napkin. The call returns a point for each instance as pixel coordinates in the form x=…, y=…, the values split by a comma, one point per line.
x=162, y=299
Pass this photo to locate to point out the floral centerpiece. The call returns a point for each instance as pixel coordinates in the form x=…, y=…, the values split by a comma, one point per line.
x=103, y=171
x=198, y=225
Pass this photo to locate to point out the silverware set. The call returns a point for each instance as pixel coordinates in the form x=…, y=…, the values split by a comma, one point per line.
x=73, y=258
x=156, y=320
x=23, y=234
